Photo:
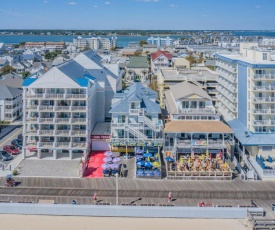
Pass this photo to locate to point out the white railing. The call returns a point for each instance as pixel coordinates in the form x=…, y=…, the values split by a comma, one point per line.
x=261, y=122
x=269, y=111
x=78, y=132
x=62, y=132
x=29, y=131
x=134, y=111
x=264, y=88
x=264, y=99
x=79, y=144
x=75, y=96
x=79, y=120
x=8, y=102
x=210, y=143
x=62, y=120
x=38, y=95
x=118, y=125
x=54, y=95
x=263, y=76
x=47, y=120
x=137, y=133
x=46, y=144
x=62, y=108
x=8, y=110
x=62, y=144
x=31, y=106
x=197, y=111
x=261, y=172
x=45, y=108
x=46, y=132
x=77, y=108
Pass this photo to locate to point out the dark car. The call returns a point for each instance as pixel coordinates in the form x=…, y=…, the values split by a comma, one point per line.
x=17, y=143
x=5, y=156
x=20, y=137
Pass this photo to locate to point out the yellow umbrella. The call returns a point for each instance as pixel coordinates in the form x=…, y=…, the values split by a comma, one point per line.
x=207, y=152
x=189, y=159
x=156, y=164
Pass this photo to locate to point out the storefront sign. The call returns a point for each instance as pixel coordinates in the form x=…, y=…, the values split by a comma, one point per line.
x=100, y=137
x=198, y=142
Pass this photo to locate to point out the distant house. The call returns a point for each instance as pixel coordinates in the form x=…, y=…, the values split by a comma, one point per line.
x=160, y=59
x=4, y=62
x=12, y=79
x=180, y=63
x=19, y=67
x=149, y=48
x=137, y=69
x=10, y=103
x=31, y=56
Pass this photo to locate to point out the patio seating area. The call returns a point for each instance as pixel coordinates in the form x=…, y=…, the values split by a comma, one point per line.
x=147, y=163
x=197, y=165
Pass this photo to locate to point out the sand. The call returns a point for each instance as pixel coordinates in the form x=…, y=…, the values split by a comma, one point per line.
x=28, y=222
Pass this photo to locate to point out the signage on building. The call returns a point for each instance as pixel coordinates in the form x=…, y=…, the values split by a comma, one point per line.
x=101, y=137
x=198, y=142
x=229, y=149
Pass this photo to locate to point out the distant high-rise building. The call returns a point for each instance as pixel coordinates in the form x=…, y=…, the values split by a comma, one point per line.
x=160, y=42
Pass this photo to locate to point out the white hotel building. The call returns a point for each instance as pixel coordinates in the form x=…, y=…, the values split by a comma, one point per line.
x=61, y=107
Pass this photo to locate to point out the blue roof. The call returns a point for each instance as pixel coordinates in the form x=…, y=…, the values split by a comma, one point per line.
x=28, y=81
x=83, y=82
x=136, y=93
x=248, y=138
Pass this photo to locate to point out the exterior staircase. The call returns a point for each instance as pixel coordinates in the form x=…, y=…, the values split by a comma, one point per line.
x=137, y=133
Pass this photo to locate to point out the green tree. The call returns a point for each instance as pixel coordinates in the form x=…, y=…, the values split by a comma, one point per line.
x=22, y=43
x=52, y=55
x=124, y=85
x=191, y=59
x=142, y=42
x=25, y=74
x=137, y=53
x=6, y=69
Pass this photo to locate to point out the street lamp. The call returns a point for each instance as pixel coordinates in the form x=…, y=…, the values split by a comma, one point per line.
x=116, y=189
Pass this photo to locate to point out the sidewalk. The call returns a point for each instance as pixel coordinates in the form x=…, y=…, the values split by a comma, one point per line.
x=9, y=128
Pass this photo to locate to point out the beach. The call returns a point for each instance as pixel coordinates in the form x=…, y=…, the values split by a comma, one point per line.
x=31, y=222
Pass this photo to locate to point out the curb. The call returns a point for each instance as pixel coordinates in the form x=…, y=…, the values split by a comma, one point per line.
x=15, y=127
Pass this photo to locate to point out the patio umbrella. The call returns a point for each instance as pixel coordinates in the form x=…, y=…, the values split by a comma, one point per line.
x=169, y=159
x=108, y=154
x=105, y=166
x=156, y=164
x=140, y=163
x=148, y=164
x=107, y=159
x=139, y=157
x=139, y=151
x=116, y=159
x=147, y=155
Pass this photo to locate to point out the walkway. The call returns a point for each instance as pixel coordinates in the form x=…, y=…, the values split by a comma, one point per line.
x=94, y=169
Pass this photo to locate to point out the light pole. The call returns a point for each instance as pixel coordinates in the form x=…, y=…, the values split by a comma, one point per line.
x=116, y=189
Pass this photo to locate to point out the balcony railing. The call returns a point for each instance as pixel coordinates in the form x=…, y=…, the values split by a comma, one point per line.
x=210, y=143
x=62, y=108
x=118, y=125
x=62, y=120
x=79, y=144
x=78, y=108
x=197, y=111
x=263, y=76
x=264, y=111
x=31, y=131
x=63, y=144
x=31, y=107
x=46, y=132
x=46, y=120
x=62, y=132
x=134, y=111
x=75, y=96
x=54, y=95
x=79, y=132
x=264, y=88
x=37, y=95
x=46, y=144
x=79, y=120
x=264, y=99
x=45, y=108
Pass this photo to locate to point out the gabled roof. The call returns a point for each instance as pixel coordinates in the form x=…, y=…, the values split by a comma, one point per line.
x=159, y=53
x=9, y=92
x=185, y=89
x=136, y=93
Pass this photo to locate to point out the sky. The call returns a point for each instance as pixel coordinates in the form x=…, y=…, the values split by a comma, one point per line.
x=138, y=14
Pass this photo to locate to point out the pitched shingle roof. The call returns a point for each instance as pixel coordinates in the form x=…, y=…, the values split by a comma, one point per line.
x=159, y=53
x=136, y=93
x=138, y=62
x=9, y=92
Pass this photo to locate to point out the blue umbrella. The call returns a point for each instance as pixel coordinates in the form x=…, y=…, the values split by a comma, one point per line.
x=108, y=154
x=148, y=172
x=169, y=159
x=147, y=155
x=140, y=163
x=139, y=157
x=139, y=151
x=148, y=164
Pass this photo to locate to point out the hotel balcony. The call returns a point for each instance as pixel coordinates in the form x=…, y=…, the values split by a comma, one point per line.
x=197, y=111
x=263, y=76
x=79, y=120
x=226, y=67
x=62, y=108
x=75, y=96
x=209, y=144
x=46, y=132
x=264, y=88
x=136, y=112
x=46, y=144
x=264, y=99
x=264, y=111
x=62, y=132
x=79, y=133
x=62, y=120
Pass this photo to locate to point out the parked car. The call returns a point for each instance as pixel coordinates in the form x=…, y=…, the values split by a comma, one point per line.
x=17, y=143
x=11, y=149
x=5, y=156
x=20, y=137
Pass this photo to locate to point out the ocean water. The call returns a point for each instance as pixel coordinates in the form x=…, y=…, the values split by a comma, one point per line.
x=122, y=40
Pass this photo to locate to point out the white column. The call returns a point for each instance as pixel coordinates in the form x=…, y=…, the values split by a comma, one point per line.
x=71, y=154
x=39, y=153
x=54, y=154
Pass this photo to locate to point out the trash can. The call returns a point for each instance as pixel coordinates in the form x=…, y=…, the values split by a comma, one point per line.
x=273, y=207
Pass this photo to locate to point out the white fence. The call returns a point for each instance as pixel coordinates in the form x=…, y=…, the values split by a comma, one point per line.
x=126, y=211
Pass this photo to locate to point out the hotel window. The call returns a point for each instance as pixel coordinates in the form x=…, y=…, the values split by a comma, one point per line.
x=120, y=132
x=185, y=104
x=188, y=117
x=264, y=56
x=121, y=118
x=202, y=104
x=193, y=104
